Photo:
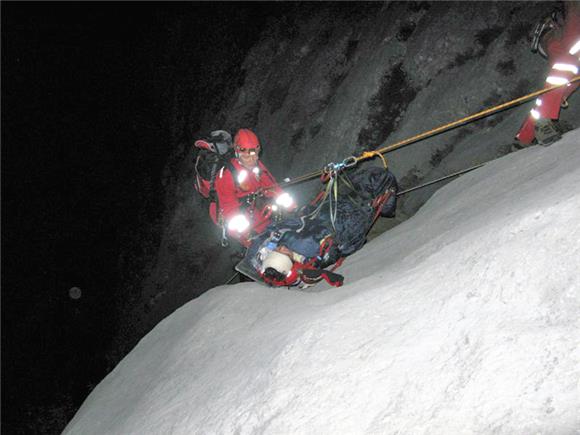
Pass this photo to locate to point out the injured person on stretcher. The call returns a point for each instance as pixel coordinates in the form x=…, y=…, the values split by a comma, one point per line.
x=303, y=250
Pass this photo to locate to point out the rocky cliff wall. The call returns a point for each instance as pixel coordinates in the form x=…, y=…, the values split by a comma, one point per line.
x=327, y=80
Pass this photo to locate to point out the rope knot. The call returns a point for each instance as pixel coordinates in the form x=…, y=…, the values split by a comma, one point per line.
x=370, y=154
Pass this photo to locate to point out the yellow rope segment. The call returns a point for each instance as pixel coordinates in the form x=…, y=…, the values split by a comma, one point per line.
x=369, y=154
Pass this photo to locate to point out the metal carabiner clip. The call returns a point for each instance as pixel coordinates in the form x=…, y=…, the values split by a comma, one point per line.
x=349, y=162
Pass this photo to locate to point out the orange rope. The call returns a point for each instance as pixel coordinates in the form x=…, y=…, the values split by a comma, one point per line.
x=370, y=154
x=479, y=115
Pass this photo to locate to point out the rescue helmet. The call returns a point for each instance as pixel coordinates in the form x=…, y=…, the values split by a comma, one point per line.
x=281, y=263
x=246, y=139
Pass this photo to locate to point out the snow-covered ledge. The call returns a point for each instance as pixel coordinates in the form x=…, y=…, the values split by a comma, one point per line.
x=463, y=319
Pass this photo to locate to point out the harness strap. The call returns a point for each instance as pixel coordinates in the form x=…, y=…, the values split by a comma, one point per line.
x=312, y=276
x=337, y=264
x=378, y=204
x=359, y=201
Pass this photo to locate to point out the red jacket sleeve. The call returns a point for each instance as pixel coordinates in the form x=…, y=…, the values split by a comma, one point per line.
x=226, y=191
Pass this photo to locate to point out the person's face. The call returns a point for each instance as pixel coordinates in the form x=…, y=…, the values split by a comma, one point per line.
x=249, y=157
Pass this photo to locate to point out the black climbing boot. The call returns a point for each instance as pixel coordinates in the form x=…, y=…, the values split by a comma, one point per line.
x=547, y=131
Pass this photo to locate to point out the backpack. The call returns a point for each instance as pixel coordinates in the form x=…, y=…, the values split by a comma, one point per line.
x=549, y=24
x=212, y=154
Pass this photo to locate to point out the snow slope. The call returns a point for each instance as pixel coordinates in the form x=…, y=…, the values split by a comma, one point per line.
x=463, y=319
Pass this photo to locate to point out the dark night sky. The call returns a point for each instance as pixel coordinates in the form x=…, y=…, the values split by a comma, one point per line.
x=84, y=140
x=71, y=170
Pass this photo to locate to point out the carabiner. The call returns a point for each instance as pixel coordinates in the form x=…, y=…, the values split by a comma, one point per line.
x=349, y=162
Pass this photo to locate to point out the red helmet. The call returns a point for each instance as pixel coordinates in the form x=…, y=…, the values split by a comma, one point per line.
x=246, y=140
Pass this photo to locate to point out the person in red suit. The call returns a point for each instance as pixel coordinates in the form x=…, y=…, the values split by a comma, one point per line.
x=247, y=192
x=557, y=38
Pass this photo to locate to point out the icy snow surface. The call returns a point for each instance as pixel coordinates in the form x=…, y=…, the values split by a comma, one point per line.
x=464, y=319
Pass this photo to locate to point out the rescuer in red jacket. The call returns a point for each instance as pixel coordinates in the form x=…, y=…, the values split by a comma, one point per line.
x=558, y=39
x=246, y=191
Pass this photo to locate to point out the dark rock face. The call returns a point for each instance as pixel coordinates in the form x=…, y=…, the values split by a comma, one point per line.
x=386, y=108
x=326, y=81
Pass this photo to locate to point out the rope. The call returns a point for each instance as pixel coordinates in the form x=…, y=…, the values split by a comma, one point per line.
x=455, y=174
x=232, y=278
x=328, y=194
x=370, y=154
x=351, y=161
x=332, y=169
x=334, y=210
x=327, y=190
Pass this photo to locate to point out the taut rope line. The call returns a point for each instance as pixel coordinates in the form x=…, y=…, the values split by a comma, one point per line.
x=351, y=161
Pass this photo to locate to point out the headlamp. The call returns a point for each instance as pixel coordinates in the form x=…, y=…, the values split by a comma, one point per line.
x=242, y=175
x=250, y=151
x=285, y=200
x=239, y=223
